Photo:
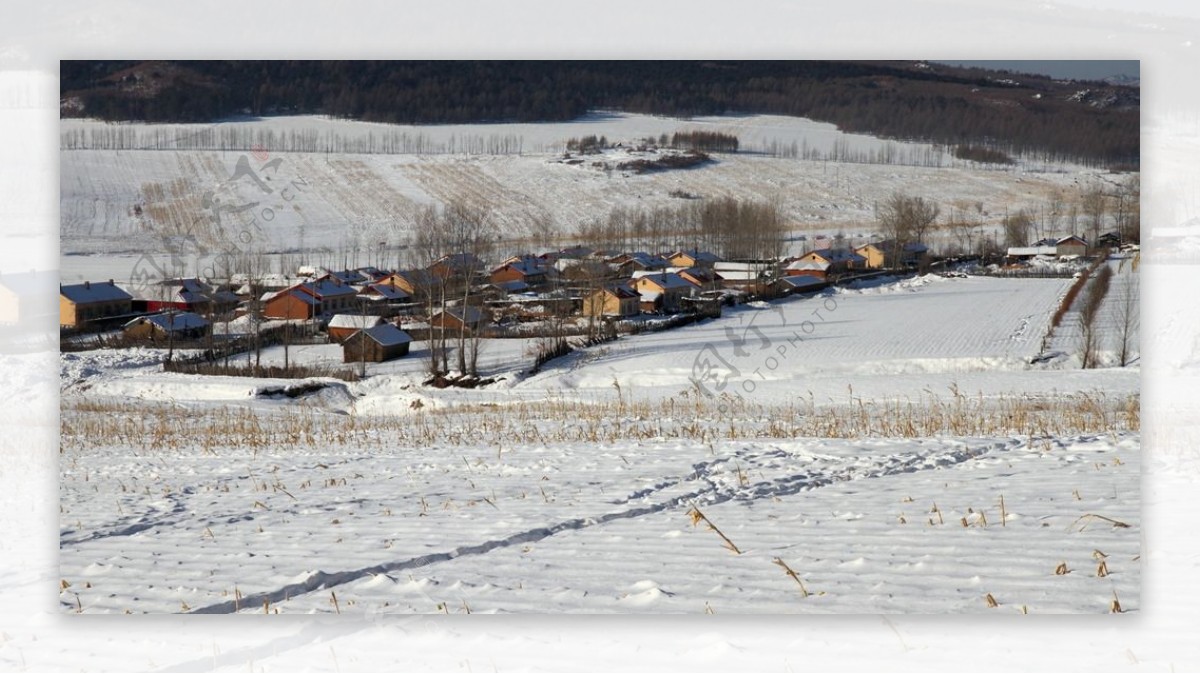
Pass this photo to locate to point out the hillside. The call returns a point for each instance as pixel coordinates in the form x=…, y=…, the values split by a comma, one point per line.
x=366, y=194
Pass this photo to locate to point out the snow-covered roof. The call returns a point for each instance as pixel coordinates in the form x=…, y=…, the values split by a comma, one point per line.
x=697, y=255
x=349, y=276
x=512, y=286
x=808, y=265
x=386, y=291
x=88, y=292
x=328, y=288
x=736, y=275
x=668, y=281
x=172, y=321
x=642, y=259
x=576, y=252
x=525, y=267
x=354, y=321
x=621, y=292
x=722, y=267
x=1023, y=251
x=837, y=255
x=294, y=291
x=386, y=334
x=29, y=282
x=800, y=281
x=650, y=296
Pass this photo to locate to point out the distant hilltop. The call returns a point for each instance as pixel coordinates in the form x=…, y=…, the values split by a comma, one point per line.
x=902, y=100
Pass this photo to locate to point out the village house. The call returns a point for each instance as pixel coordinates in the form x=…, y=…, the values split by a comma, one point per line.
x=309, y=299
x=415, y=282
x=170, y=325
x=664, y=291
x=463, y=266
x=879, y=254
x=377, y=344
x=1071, y=245
x=613, y=301
x=372, y=274
x=1064, y=247
x=455, y=318
x=627, y=264
x=817, y=269
x=186, y=294
x=83, y=303
x=701, y=277
x=386, y=294
x=525, y=271
x=503, y=289
x=838, y=260
x=588, y=272
x=749, y=276
x=24, y=297
x=346, y=276
x=693, y=258
x=791, y=285
x=342, y=326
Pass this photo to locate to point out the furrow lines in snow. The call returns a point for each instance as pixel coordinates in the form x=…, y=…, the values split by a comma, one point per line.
x=713, y=492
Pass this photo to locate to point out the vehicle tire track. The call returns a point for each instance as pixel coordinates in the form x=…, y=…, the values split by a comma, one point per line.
x=712, y=492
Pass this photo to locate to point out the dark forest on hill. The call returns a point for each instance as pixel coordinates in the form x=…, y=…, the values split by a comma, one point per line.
x=1089, y=122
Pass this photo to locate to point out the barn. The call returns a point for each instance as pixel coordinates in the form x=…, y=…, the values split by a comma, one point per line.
x=342, y=326
x=170, y=325
x=377, y=344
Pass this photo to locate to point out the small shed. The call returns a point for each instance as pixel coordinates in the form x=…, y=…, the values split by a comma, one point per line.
x=790, y=285
x=342, y=326
x=1071, y=245
x=377, y=344
x=455, y=318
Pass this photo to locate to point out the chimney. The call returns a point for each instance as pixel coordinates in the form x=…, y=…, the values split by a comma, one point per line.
x=87, y=285
x=110, y=282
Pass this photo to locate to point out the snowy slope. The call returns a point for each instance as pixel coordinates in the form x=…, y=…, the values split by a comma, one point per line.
x=115, y=201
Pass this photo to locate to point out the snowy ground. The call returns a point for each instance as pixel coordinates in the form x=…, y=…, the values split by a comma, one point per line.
x=570, y=490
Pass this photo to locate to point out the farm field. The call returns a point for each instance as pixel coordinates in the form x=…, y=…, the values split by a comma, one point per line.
x=871, y=463
x=361, y=205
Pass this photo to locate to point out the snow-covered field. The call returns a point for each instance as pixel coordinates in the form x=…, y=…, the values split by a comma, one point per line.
x=150, y=201
x=572, y=490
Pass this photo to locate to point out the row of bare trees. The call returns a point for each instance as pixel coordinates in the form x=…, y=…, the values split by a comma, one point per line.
x=729, y=227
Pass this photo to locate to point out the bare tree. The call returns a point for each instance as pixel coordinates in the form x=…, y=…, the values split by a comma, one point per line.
x=1128, y=311
x=428, y=246
x=472, y=238
x=1129, y=203
x=1017, y=227
x=1094, y=202
x=906, y=219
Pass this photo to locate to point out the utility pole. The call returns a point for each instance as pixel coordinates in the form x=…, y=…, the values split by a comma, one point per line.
x=362, y=340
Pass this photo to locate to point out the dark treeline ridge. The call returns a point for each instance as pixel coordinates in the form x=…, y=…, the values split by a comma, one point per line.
x=952, y=106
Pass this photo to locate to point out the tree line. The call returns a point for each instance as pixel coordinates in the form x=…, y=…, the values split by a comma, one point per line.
x=1038, y=118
